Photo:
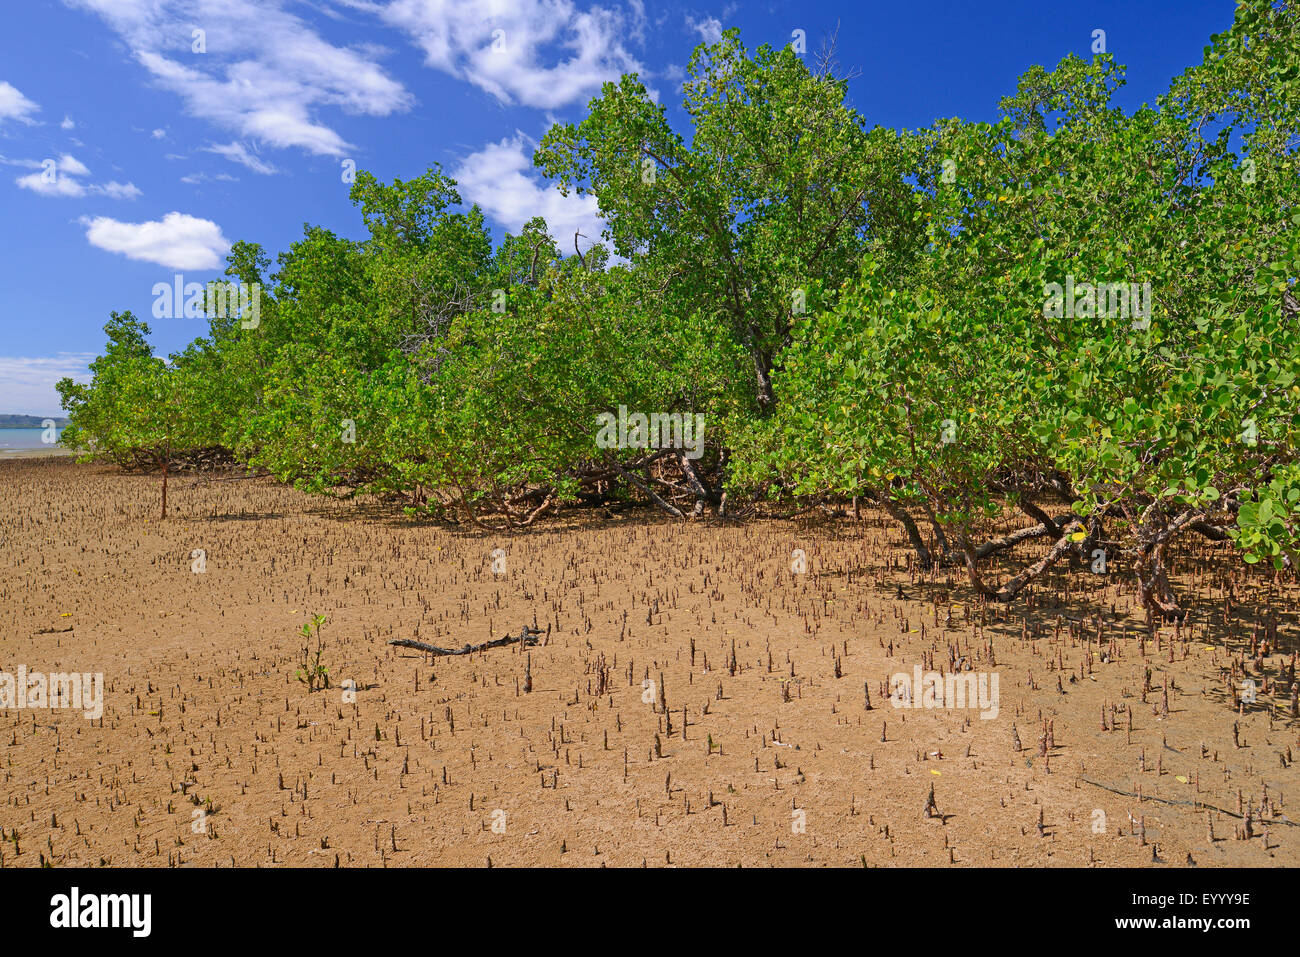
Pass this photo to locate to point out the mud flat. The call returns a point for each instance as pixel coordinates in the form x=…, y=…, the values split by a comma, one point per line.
x=210, y=751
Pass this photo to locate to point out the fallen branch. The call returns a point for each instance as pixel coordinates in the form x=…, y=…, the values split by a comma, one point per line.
x=1215, y=533
x=526, y=636
x=650, y=493
x=1012, y=586
x=1196, y=804
x=1015, y=538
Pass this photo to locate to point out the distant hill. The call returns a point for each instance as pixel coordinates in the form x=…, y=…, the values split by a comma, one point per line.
x=30, y=421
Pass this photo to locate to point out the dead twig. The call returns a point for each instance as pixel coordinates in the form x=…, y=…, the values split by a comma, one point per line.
x=526, y=636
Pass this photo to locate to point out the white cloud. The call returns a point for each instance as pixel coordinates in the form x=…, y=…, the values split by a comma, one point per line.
x=265, y=73
x=238, y=153
x=56, y=178
x=194, y=179
x=158, y=134
x=52, y=185
x=116, y=190
x=67, y=123
x=515, y=49
x=501, y=178
x=15, y=106
x=27, y=383
x=72, y=166
x=709, y=28
x=178, y=241
x=61, y=178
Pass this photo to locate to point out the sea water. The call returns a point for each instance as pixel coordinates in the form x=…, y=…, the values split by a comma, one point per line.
x=25, y=439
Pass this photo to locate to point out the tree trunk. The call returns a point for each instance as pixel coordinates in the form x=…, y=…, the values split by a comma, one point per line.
x=763, y=375
x=940, y=539
x=703, y=494
x=1155, y=532
x=1153, y=584
x=166, y=461
x=1038, y=515
x=899, y=514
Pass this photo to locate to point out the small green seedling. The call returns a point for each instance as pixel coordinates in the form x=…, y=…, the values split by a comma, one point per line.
x=310, y=671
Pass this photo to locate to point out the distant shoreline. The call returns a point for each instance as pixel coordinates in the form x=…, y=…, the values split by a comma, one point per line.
x=35, y=453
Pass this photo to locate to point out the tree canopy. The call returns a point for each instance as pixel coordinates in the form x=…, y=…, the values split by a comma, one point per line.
x=1086, y=314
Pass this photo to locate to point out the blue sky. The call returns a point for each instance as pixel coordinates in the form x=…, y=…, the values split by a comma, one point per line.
x=128, y=156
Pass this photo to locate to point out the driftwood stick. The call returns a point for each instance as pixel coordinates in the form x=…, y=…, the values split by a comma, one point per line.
x=526, y=636
x=1195, y=804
